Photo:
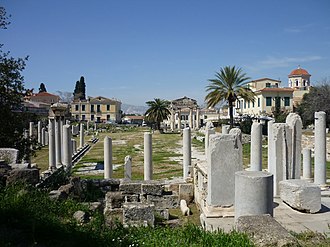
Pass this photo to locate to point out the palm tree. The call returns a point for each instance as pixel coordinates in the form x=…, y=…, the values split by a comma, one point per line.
x=158, y=111
x=230, y=83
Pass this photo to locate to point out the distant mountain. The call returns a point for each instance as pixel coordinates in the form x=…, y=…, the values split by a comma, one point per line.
x=133, y=109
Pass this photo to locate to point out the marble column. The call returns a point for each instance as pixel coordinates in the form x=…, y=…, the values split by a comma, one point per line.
x=172, y=120
x=39, y=132
x=320, y=163
x=198, y=119
x=190, y=118
x=58, y=142
x=186, y=152
x=43, y=136
x=67, y=147
x=256, y=147
x=107, y=157
x=82, y=135
x=269, y=138
x=147, y=156
x=31, y=125
x=51, y=144
x=179, y=121
x=307, y=167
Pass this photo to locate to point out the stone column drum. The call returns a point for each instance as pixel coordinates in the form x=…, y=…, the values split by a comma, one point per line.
x=307, y=168
x=186, y=152
x=253, y=193
x=320, y=148
x=256, y=147
x=107, y=157
x=147, y=156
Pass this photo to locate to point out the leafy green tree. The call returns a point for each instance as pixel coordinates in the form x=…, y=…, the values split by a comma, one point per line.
x=42, y=88
x=157, y=112
x=13, y=119
x=229, y=84
x=80, y=89
x=318, y=99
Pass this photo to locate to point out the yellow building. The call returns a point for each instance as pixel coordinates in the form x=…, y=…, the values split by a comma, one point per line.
x=269, y=96
x=97, y=109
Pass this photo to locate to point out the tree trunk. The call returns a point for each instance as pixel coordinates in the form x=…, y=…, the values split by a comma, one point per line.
x=231, y=114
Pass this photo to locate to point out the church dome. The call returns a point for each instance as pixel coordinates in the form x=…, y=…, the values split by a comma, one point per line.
x=299, y=72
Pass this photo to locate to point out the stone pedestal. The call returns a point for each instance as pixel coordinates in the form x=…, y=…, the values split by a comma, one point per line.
x=253, y=193
x=256, y=147
x=301, y=195
x=128, y=167
x=320, y=149
x=186, y=152
x=147, y=156
x=223, y=160
x=107, y=157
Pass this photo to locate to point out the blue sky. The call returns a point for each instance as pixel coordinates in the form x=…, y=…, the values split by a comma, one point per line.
x=139, y=50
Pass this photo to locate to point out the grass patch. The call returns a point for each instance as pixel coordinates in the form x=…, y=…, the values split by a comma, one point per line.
x=29, y=217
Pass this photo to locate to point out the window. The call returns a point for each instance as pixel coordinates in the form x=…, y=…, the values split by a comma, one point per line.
x=108, y=107
x=253, y=104
x=83, y=107
x=98, y=108
x=286, y=101
x=77, y=117
x=276, y=84
x=241, y=104
x=244, y=104
x=108, y=117
x=92, y=117
x=83, y=117
x=77, y=107
x=248, y=104
x=268, y=101
x=267, y=84
x=92, y=108
x=258, y=102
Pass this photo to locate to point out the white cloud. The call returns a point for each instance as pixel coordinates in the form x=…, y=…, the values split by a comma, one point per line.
x=273, y=62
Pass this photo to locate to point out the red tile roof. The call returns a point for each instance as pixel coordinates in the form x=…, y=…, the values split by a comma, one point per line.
x=299, y=71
